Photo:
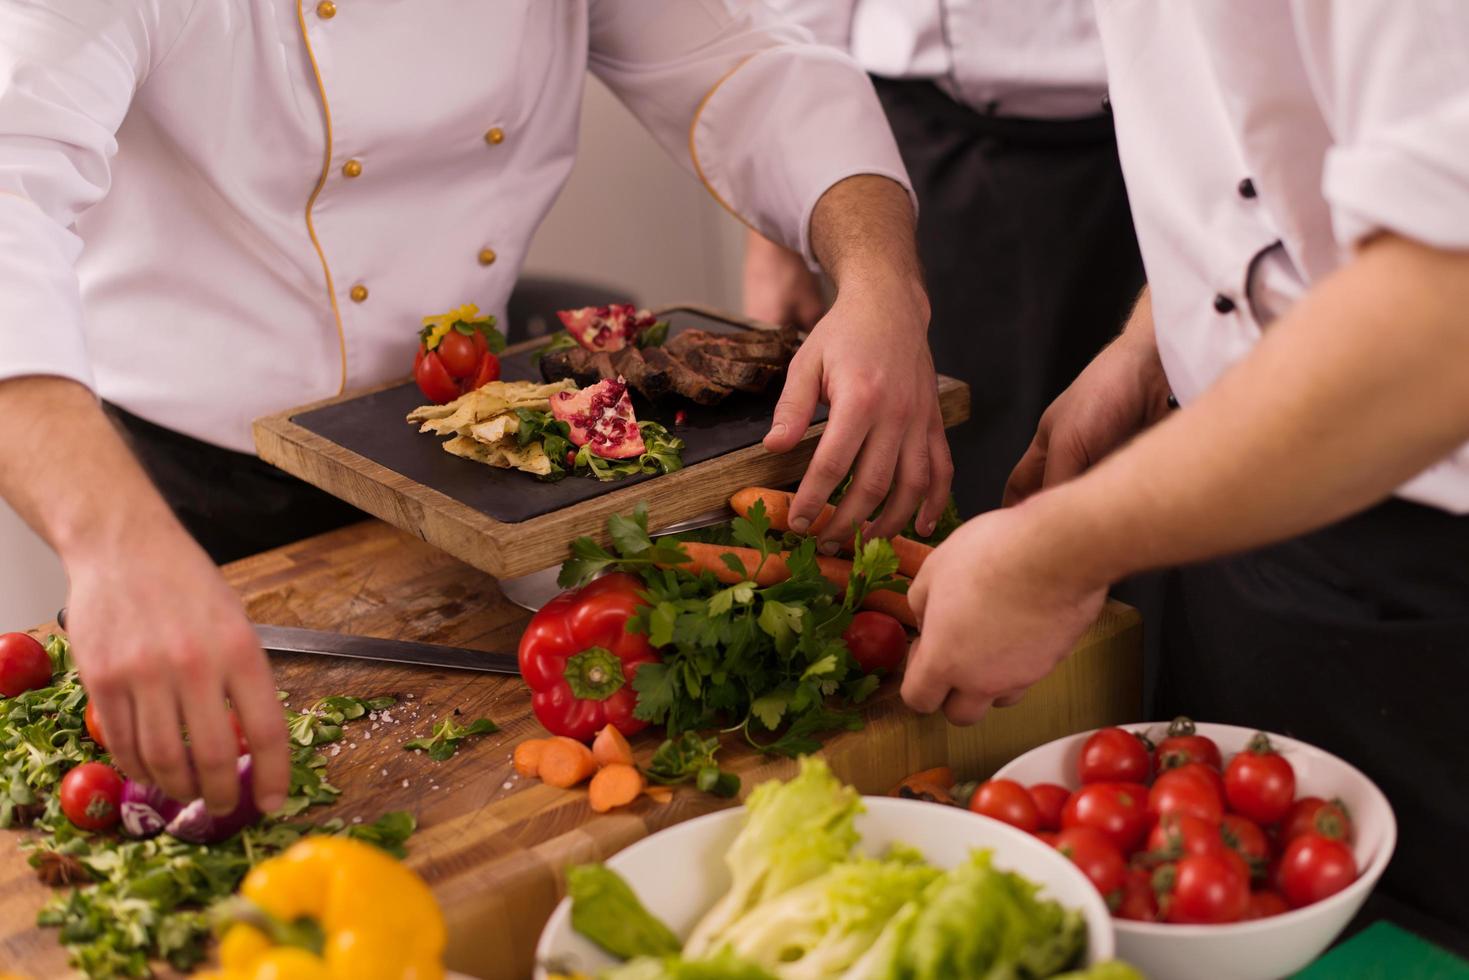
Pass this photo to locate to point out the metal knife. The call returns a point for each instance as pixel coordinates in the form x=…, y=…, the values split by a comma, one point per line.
x=296, y=639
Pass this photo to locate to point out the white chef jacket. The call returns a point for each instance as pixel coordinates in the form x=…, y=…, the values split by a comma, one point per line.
x=1262, y=140
x=211, y=210
x=1027, y=58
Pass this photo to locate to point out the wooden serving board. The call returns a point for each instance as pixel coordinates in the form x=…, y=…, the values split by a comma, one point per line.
x=494, y=847
x=359, y=448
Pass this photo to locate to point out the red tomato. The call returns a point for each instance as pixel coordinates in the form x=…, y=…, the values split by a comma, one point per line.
x=1050, y=800
x=1115, y=810
x=1264, y=904
x=1179, y=835
x=489, y=370
x=1312, y=814
x=1246, y=839
x=1139, y=900
x=1208, y=773
x=1313, y=868
x=1007, y=800
x=1098, y=858
x=1112, y=755
x=24, y=665
x=878, y=641
x=1048, y=836
x=459, y=354
x=90, y=796
x=433, y=378
x=1183, y=746
x=1204, y=889
x=1260, y=783
x=1185, y=792
x=94, y=727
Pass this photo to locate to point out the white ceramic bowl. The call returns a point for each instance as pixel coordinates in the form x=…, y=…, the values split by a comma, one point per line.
x=1263, y=949
x=679, y=873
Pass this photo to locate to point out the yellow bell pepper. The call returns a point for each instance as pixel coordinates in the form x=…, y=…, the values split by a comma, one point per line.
x=376, y=919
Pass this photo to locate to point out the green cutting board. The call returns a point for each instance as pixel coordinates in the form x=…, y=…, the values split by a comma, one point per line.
x=1383, y=951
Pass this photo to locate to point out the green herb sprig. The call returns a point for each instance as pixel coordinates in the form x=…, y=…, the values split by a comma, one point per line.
x=447, y=735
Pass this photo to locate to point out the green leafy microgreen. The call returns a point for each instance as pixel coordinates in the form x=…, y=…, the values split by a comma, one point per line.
x=447, y=735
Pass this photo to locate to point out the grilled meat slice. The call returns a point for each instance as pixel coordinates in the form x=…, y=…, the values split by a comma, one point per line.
x=634, y=367
x=574, y=363
x=685, y=380
x=763, y=346
x=754, y=376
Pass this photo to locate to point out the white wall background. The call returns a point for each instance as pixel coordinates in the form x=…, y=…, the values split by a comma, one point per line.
x=629, y=217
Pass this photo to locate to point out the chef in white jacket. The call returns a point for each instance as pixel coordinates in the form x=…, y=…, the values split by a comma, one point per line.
x=1000, y=111
x=1299, y=175
x=211, y=210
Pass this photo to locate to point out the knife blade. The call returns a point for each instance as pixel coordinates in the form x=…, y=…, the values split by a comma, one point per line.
x=298, y=639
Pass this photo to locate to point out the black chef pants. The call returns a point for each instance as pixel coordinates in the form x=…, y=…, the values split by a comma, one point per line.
x=1028, y=249
x=234, y=504
x=1355, y=639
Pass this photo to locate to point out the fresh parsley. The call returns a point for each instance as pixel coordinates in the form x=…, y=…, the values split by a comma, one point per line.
x=447, y=735
x=689, y=757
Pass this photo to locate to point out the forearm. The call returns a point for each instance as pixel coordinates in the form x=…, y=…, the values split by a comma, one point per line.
x=1362, y=386
x=862, y=233
x=74, y=480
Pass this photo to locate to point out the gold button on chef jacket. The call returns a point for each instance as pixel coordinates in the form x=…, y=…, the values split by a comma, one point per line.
x=1263, y=140
x=179, y=224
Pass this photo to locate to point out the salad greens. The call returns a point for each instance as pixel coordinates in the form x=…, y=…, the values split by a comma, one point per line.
x=663, y=450
x=804, y=905
x=447, y=735
x=689, y=757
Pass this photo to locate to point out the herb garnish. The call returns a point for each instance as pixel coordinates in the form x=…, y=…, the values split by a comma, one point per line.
x=447, y=735
x=663, y=452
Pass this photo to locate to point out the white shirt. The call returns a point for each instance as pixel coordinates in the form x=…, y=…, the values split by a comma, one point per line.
x=1348, y=117
x=1025, y=58
x=181, y=230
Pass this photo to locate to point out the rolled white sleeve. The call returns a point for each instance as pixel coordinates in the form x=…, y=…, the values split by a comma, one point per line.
x=68, y=72
x=1394, y=83
x=768, y=120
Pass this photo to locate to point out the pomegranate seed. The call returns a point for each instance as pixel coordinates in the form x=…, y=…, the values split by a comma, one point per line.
x=680, y=417
x=571, y=457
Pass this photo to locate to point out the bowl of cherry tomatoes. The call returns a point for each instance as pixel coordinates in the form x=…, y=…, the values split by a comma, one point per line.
x=1224, y=853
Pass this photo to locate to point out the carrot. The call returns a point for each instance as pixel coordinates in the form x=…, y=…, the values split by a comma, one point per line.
x=528, y=756
x=911, y=554
x=940, y=776
x=611, y=746
x=709, y=558
x=614, y=785
x=662, y=795
x=565, y=762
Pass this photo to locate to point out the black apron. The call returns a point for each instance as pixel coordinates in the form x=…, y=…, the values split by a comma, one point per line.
x=1355, y=639
x=234, y=504
x=1031, y=264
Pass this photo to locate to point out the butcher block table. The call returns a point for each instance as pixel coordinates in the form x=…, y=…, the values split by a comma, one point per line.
x=494, y=846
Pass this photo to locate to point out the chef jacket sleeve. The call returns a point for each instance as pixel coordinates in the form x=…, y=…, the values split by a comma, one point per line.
x=765, y=118
x=68, y=72
x=829, y=21
x=1394, y=80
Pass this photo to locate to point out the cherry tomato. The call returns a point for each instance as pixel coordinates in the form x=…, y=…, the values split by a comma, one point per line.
x=1185, y=792
x=1047, y=836
x=1208, y=773
x=459, y=354
x=1246, y=839
x=1007, y=800
x=1312, y=868
x=24, y=665
x=1203, y=889
x=1098, y=858
x=1264, y=904
x=1050, y=800
x=433, y=379
x=1112, y=755
x=1183, y=746
x=1115, y=810
x=489, y=370
x=90, y=796
x=878, y=642
x=1260, y=783
x=94, y=727
x=1139, y=901
x=1179, y=835
x=1312, y=814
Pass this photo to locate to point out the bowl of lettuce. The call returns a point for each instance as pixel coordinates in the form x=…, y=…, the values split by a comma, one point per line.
x=809, y=880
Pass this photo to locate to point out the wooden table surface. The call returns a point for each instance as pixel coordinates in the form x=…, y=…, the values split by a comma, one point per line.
x=491, y=845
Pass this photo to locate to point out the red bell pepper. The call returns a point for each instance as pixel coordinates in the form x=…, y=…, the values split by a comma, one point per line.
x=579, y=660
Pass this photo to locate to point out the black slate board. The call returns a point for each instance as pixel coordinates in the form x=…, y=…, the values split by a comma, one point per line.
x=373, y=426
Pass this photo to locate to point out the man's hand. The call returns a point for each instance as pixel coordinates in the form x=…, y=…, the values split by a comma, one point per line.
x=160, y=640
x=1121, y=392
x=778, y=288
x=996, y=613
x=868, y=359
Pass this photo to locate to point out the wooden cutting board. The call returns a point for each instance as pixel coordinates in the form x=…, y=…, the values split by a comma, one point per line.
x=359, y=448
x=494, y=846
